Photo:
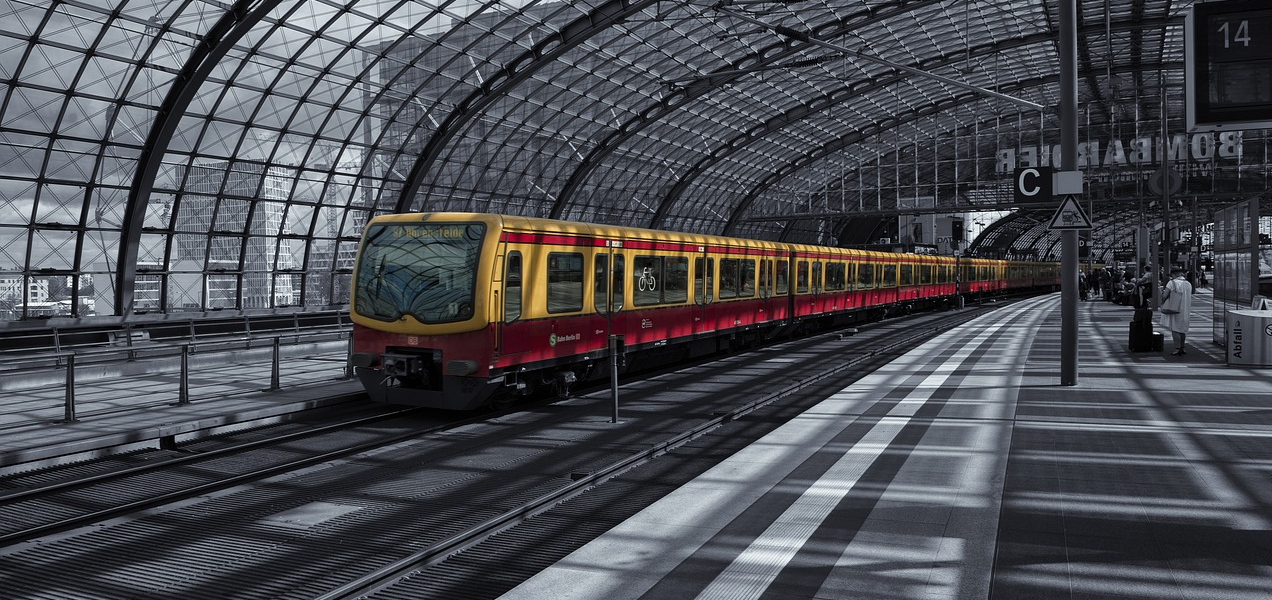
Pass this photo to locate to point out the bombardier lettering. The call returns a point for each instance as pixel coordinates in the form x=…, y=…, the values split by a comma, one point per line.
x=1199, y=148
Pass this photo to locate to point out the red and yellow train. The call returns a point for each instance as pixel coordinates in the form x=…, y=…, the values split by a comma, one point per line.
x=454, y=310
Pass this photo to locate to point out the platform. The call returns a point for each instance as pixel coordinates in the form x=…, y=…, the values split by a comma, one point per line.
x=137, y=405
x=964, y=470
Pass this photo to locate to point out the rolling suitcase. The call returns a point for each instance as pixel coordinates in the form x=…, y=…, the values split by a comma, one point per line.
x=1141, y=336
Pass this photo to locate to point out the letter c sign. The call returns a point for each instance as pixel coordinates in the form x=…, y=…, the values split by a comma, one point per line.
x=1033, y=184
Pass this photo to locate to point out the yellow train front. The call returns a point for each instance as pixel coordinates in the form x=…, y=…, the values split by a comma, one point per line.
x=421, y=306
x=454, y=310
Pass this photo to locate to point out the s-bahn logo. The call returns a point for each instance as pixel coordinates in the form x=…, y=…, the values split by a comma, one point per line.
x=554, y=338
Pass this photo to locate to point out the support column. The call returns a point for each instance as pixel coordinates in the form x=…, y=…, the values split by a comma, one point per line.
x=1069, y=162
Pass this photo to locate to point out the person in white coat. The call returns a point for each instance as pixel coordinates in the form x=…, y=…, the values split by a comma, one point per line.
x=1176, y=306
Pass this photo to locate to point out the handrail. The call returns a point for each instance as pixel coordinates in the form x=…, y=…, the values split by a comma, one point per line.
x=67, y=360
x=24, y=338
x=153, y=348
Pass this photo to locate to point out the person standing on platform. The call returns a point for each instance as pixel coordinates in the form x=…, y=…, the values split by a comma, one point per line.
x=1144, y=287
x=1176, y=307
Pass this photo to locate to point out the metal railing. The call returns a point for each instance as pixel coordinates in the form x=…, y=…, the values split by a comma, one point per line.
x=17, y=340
x=148, y=357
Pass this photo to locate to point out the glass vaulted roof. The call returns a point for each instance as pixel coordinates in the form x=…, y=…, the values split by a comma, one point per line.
x=160, y=156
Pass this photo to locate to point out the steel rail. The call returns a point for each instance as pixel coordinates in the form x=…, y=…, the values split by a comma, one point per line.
x=219, y=484
x=387, y=575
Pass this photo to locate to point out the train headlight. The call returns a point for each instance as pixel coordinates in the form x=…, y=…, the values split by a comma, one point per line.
x=401, y=365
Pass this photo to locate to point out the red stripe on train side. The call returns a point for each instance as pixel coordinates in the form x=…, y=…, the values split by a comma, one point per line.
x=655, y=245
x=571, y=240
x=731, y=250
x=552, y=239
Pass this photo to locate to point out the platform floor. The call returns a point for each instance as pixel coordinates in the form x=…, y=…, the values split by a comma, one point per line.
x=964, y=470
x=961, y=470
x=137, y=404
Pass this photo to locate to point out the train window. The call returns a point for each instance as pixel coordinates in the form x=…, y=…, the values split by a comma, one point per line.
x=984, y=273
x=865, y=276
x=766, y=278
x=728, y=278
x=781, y=280
x=801, y=277
x=836, y=278
x=817, y=277
x=907, y=274
x=565, y=282
x=747, y=279
x=647, y=280
x=426, y=270
x=601, y=291
x=703, y=278
x=512, y=287
x=925, y=274
x=889, y=276
x=942, y=274
x=675, y=279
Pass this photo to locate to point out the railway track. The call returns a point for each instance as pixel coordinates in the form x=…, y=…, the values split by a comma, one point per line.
x=402, y=497
x=45, y=502
x=407, y=572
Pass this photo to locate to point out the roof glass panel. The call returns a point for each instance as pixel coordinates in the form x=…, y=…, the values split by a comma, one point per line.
x=261, y=156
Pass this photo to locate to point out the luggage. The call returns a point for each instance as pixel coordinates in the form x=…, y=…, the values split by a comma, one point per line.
x=1143, y=338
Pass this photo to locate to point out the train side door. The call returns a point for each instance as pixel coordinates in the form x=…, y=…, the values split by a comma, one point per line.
x=782, y=287
x=703, y=294
x=803, y=301
x=609, y=293
x=766, y=289
x=816, y=287
x=510, y=306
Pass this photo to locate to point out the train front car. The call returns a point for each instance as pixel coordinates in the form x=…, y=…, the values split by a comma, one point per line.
x=422, y=332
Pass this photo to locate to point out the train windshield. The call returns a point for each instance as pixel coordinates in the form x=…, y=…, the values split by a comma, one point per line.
x=426, y=270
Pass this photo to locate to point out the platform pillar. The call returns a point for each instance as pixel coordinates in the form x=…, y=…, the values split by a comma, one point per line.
x=1069, y=162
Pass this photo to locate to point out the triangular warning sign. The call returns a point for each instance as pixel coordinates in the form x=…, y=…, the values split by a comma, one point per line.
x=1070, y=215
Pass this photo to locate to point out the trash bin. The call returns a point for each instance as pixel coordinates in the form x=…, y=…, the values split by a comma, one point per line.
x=1249, y=337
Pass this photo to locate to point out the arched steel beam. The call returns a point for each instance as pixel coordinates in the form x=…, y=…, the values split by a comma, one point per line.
x=204, y=58
x=717, y=79
x=799, y=113
x=991, y=230
x=874, y=129
x=845, y=141
x=514, y=73
x=829, y=99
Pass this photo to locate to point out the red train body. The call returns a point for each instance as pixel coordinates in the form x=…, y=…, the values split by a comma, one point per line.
x=454, y=310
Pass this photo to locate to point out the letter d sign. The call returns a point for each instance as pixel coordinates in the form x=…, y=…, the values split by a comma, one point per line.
x=1033, y=184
